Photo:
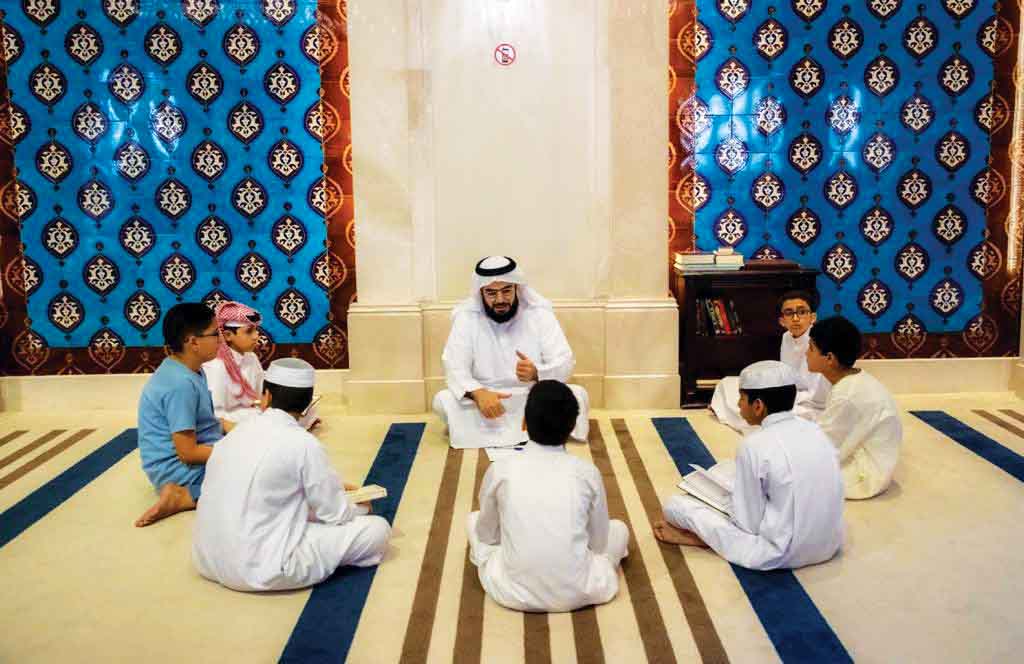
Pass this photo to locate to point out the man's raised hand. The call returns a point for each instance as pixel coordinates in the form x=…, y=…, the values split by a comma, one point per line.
x=526, y=370
x=489, y=403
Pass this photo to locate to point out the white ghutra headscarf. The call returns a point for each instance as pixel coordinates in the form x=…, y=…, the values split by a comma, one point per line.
x=499, y=268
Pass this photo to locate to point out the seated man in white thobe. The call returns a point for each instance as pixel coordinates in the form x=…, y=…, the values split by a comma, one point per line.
x=542, y=540
x=504, y=338
x=796, y=315
x=273, y=513
x=786, y=509
x=861, y=418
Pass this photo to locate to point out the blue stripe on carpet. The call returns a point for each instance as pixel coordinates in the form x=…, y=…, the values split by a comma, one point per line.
x=977, y=442
x=794, y=624
x=46, y=498
x=325, y=630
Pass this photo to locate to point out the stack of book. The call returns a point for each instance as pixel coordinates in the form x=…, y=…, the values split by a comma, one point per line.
x=721, y=260
x=716, y=316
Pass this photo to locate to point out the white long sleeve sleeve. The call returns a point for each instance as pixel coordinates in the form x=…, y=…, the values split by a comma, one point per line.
x=556, y=361
x=839, y=421
x=457, y=359
x=488, y=525
x=748, y=497
x=324, y=490
x=597, y=525
x=217, y=381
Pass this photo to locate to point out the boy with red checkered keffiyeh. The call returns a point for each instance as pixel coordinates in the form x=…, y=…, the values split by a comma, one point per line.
x=235, y=376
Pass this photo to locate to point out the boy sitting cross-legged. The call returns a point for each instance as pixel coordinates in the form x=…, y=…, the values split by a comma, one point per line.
x=861, y=418
x=274, y=514
x=542, y=539
x=786, y=507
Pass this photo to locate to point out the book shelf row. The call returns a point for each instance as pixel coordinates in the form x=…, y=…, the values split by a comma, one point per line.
x=717, y=316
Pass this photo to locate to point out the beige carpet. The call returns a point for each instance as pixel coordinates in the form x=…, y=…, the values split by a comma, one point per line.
x=930, y=571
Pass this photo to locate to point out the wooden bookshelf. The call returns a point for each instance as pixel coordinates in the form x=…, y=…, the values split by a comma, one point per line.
x=754, y=293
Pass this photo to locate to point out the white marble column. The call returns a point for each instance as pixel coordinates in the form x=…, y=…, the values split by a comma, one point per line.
x=556, y=159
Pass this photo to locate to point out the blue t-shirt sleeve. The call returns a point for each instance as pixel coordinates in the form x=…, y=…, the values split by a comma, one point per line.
x=182, y=405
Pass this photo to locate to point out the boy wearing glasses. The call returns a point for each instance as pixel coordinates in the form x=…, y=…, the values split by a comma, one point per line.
x=177, y=426
x=796, y=314
x=861, y=418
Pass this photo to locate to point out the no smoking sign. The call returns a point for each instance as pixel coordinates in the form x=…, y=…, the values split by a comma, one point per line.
x=505, y=54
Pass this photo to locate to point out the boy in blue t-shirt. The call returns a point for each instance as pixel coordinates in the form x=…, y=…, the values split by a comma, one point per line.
x=177, y=427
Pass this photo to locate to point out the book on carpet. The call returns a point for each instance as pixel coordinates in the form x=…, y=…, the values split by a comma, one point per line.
x=712, y=486
x=366, y=493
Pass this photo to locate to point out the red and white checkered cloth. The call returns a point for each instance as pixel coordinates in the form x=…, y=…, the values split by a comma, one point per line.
x=234, y=315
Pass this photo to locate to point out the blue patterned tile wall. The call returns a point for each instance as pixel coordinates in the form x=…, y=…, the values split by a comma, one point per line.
x=854, y=137
x=167, y=151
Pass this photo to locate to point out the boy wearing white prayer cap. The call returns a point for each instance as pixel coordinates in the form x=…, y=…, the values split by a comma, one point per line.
x=504, y=338
x=787, y=500
x=273, y=514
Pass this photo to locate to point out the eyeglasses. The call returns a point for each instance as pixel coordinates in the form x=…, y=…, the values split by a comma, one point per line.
x=211, y=334
x=795, y=313
x=505, y=293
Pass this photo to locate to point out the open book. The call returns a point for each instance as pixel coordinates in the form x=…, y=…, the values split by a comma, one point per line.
x=470, y=429
x=309, y=416
x=712, y=486
x=366, y=493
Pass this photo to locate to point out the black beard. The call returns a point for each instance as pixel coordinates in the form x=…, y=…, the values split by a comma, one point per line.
x=505, y=317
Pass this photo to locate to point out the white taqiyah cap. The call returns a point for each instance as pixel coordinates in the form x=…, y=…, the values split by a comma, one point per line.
x=767, y=374
x=290, y=372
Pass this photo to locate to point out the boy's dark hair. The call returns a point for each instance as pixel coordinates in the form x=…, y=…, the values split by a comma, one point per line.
x=551, y=412
x=288, y=399
x=810, y=297
x=185, y=320
x=775, y=399
x=838, y=336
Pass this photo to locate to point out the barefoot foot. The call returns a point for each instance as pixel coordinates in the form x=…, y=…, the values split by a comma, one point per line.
x=173, y=499
x=669, y=534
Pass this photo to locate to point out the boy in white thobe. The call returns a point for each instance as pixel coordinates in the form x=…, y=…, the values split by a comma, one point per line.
x=235, y=376
x=504, y=338
x=861, y=418
x=787, y=499
x=273, y=514
x=542, y=539
x=796, y=315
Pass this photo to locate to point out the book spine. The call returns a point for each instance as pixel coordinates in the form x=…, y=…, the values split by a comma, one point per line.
x=736, y=317
x=712, y=316
x=728, y=316
x=724, y=316
x=721, y=318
